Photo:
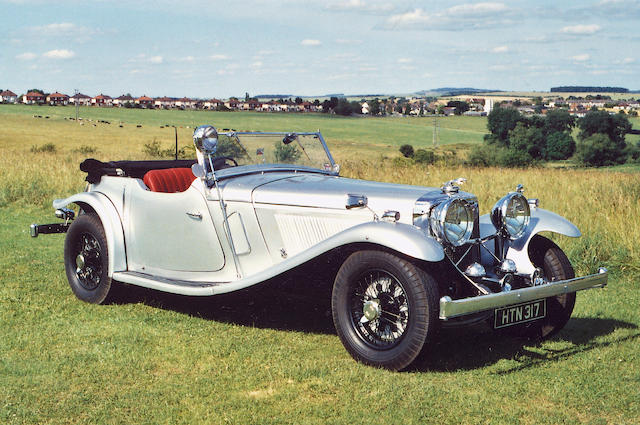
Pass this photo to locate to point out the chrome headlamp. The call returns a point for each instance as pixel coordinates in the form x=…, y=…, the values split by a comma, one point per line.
x=452, y=221
x=511, y=215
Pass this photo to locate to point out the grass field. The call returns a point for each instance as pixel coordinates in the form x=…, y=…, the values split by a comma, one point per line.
x=269, y=355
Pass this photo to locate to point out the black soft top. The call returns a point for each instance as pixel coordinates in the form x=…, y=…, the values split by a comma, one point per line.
x=136, y=169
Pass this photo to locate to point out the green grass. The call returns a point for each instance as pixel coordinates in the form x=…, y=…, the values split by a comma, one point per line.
x=269, y=355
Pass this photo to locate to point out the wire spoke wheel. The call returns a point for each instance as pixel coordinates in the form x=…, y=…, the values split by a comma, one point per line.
x=89, y=262
x=379, y=309
x=385, y=308
x=86, y=260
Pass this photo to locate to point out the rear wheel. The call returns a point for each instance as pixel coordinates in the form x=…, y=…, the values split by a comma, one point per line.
x=384, y=308
x=86, y=260
x=548, y=256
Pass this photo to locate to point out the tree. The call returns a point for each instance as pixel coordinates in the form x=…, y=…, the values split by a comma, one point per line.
x=500, y=122
x=614, y=126
x=246, y=97
x=461, y=106
x=529, y=140
x=406, y=150
x=298, y=100
x=374, y=107
x=559, y=120
x=598, y=150
x=344, y=107
x=560, y=145
x=287, y=154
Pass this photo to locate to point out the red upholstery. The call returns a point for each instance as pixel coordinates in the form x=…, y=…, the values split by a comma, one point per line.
x=170, y=180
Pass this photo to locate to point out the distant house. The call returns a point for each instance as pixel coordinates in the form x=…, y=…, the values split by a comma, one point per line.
x=33, y=98
x=186, y=103
x=81, y=99
x=232, y=103
x=164, y=102
x=57, y=99
x=7, y=96
x=212, y=104
x=365, y=108
x=145, y=101
x=449, y=110
x=102, y=100
x=121, y=100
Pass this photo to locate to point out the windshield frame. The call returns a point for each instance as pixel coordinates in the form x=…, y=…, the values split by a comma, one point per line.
x=237, y=136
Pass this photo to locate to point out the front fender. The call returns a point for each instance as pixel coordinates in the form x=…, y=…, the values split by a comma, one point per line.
x=110, y=222
x=400, y=237
x=541, y=221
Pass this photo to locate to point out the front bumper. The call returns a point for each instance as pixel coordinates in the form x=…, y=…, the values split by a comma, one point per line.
x=455, y=308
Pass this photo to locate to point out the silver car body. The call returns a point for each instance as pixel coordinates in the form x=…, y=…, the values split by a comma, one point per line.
x=280, y=217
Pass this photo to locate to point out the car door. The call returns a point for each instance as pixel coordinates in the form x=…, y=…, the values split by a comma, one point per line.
x=170, y=232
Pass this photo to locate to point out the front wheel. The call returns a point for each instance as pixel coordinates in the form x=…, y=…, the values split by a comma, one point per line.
x=384, y=309
x=86, y=260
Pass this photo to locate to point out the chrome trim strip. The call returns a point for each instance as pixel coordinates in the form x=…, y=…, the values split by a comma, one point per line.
x=455, y=308
x=166, y=285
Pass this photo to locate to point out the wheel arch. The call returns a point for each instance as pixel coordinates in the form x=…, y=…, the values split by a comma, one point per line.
x=100, y=204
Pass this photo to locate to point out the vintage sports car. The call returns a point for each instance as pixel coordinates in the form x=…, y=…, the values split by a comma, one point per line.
x=255, y=205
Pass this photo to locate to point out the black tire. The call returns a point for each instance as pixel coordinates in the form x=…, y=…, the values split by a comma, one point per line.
x=548, y=256
x=399, y=303
x=86, y=260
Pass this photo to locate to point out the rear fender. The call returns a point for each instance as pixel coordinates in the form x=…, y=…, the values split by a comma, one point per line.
x=111, y=223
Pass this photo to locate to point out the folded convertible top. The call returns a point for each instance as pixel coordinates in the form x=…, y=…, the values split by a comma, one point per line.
x=137, y=169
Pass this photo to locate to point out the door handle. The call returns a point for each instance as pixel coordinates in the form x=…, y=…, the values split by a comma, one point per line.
x=195, y=215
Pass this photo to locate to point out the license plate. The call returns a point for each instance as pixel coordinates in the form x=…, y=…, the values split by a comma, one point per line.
x=519, y=313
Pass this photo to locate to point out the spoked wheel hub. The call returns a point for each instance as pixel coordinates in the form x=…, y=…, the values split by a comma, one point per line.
x=88, y=262
x=379, y=309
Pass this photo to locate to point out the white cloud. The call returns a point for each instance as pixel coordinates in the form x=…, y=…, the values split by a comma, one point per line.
x=500, y=49
x=477, y=9
x=64, y=30
x=257, y=65
x=188, y=59
x=310, y=42
x=478, y=15
x=218, y=57
x=360, y=6
x=156, y=59
x=581, y=58
x=405, y=60
x=581, y=29
x=59, y=54
x=26, y=56
x=627, y=61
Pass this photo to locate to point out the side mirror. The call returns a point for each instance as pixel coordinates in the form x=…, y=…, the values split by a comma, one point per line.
x=205, y=138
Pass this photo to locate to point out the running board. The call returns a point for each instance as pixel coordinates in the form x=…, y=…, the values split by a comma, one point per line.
x=181, y=287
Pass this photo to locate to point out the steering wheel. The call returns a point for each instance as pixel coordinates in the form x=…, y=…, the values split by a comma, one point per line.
x=220, y=162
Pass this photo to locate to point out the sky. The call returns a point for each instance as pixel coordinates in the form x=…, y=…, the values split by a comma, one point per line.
x=219, y=49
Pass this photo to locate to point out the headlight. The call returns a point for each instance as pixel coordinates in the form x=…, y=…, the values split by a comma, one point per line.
x=452, y=221
x=511, y=215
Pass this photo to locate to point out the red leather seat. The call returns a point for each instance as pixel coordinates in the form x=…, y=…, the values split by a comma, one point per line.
x=170, y=180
